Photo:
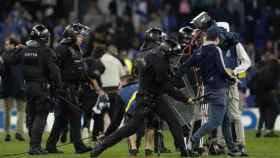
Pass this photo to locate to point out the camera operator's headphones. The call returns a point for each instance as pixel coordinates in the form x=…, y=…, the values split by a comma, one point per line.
x=155, y=35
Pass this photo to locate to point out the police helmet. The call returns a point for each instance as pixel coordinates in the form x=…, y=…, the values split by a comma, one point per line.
x=71, y=31
x=154, y=35
x=171, y=47
x=185, y=34
x=40, y=33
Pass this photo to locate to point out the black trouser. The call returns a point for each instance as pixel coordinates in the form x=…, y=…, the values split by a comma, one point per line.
x=67, y=113
x=37, y=111
x=268, y=105
x=116, y=113
x=88, y=100
x=142, y=110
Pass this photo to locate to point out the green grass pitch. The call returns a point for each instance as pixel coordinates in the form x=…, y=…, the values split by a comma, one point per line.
x=257, y=148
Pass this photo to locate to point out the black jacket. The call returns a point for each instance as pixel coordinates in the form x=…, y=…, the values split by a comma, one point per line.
x=210, y=62
x=154, y=74
x=38, y=63
x=70, y=61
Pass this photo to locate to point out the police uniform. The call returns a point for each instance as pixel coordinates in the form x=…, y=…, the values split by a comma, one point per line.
x=154, y=82
x=39, y=69
x=70, y=61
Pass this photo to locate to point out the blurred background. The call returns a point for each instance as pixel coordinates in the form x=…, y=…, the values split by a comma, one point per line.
x=119, y=24
x=125, y=20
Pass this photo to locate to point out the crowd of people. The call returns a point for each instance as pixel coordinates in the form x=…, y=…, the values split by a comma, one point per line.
x=98, y=70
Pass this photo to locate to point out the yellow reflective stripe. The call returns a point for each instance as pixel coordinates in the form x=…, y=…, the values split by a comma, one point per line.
x=242, y=75
x=128, y=64
x=132, y=98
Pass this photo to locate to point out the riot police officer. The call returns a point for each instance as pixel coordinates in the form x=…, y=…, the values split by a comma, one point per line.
x=39, y=68
x=70, y=61
x=154, y=81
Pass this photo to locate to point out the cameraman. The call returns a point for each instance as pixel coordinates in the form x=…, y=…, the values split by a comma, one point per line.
x=235, y=58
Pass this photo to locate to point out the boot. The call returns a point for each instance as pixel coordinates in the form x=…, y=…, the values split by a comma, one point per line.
x=97, y=150
x=19, y=137
x=8, y=138
x=37, y=150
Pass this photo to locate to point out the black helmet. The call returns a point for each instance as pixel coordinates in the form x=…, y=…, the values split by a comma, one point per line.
x=154, y=35
x=40, y=33
x=171, y=47
x=71, y=31
x=185, y=34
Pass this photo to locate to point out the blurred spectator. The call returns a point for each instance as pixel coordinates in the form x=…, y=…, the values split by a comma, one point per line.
x=169, y=19
x=220, y=12
x=236, y=8
x=269, y=52
x=58, y=31
x=265, y=82
x=124, y=33
x=94, y=16
x=13, y=90
x=155, y=21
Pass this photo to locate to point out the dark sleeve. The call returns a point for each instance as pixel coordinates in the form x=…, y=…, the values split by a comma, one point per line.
x=162, y=68
x=219, y=60
x=95, y=68
x=60, y=53
x=12, y=57
x=100, y=66
x=186, y=66
x=50, y=61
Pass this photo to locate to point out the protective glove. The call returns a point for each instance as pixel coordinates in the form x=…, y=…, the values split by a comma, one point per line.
x=101, y=104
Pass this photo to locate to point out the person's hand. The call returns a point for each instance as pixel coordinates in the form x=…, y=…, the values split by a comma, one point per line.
x=190, y=101
x=231, y=74
x=100, y=92
x=19, y=46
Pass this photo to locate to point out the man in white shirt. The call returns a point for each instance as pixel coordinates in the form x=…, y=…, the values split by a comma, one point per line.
x=110, y=79
x=113, y=70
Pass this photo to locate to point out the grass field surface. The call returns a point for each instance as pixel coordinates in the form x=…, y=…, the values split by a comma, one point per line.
x=257, y=148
